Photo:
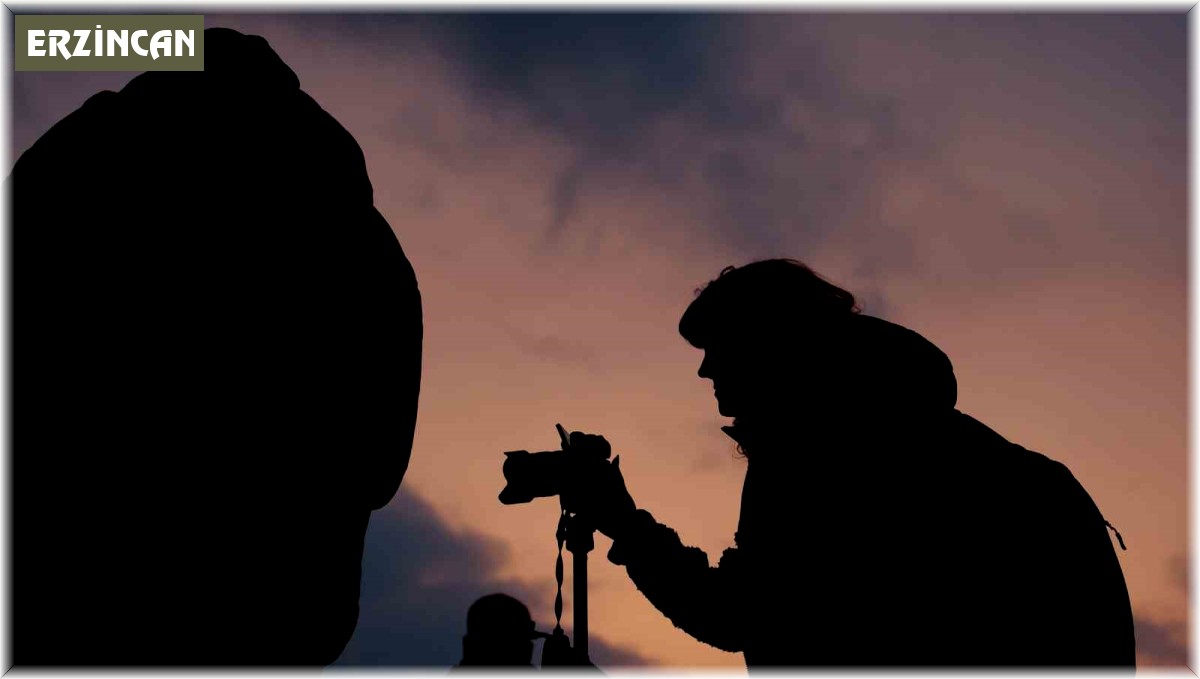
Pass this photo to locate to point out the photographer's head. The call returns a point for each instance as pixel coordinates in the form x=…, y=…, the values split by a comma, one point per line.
x=767, y=330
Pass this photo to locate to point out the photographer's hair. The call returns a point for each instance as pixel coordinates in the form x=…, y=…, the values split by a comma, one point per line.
x=771, y=295
x=764, y=302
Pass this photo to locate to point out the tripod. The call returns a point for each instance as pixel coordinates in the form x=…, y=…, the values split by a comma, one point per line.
x=579, y=538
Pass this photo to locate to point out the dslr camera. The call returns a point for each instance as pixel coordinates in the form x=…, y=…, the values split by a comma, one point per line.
x=546, y=474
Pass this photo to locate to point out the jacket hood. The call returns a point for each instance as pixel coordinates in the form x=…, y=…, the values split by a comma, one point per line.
x=895, y=368
x=872, y=378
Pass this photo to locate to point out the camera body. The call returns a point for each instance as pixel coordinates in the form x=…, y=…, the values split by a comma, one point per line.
x=546, y=474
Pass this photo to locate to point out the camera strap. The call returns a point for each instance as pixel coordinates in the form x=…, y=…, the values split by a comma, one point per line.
x=561, y=534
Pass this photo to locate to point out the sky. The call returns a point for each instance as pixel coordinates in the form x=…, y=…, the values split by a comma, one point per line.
x=1011, y=186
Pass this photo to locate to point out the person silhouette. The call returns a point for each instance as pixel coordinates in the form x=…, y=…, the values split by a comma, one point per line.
x=879, y=525
x=500, y=634
x=218, y=344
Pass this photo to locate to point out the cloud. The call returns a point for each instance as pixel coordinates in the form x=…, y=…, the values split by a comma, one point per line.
x=791, y=133
x=554, y=348
x=1161, y=643
x=1165, y=643
x=596, y=77
x=420, y=576
x=1179, y=572
x=647, y=102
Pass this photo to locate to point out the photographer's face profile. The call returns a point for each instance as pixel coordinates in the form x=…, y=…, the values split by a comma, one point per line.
x=750, y=371
x=731, y=373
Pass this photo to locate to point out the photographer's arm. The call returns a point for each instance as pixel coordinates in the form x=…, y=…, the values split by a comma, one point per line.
x=701, y=600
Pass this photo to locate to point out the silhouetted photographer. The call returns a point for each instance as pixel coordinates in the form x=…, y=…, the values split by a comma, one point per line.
x=879, y=525
x=500, y=634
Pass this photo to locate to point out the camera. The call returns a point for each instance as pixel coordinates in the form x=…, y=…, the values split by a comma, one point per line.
x=546, y=474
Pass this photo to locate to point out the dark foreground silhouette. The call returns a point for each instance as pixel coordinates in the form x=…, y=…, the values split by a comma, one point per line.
x=879, y=525
x=500, y=634
x=216, y=368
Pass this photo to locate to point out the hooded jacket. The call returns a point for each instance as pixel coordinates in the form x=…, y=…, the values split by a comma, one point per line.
x=900, y=532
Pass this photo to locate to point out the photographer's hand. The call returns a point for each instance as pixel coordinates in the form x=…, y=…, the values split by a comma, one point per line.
x=599, y=496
